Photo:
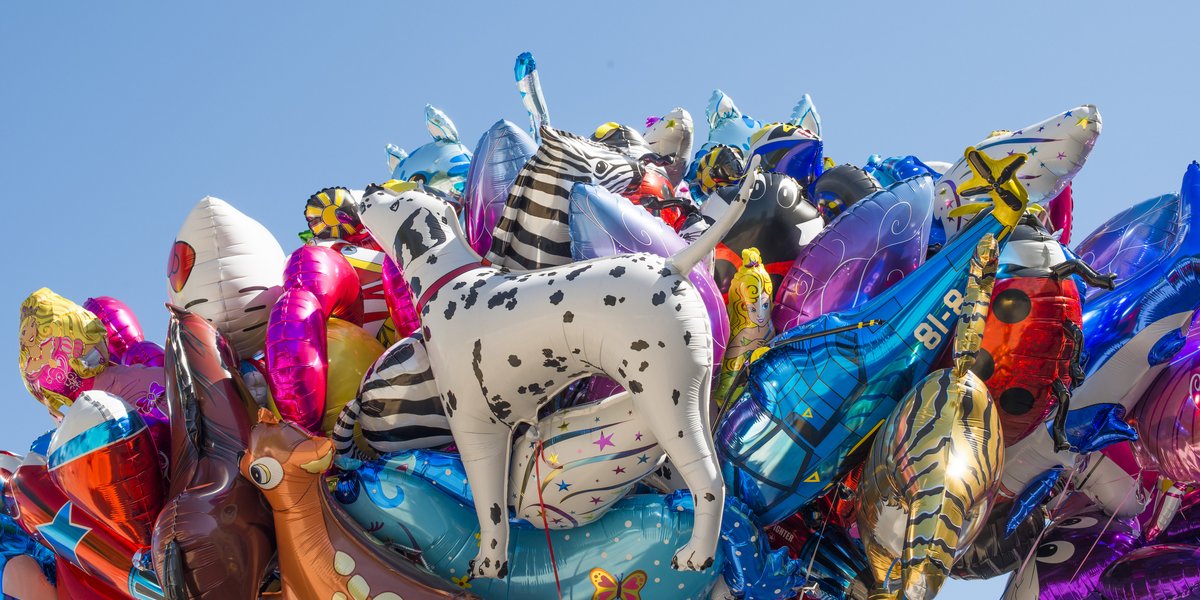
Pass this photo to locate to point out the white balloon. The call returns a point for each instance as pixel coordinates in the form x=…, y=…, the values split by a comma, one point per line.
x=227, y=268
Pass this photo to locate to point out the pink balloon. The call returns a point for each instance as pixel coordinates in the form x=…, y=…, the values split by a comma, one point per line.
x=127, y=344
x=317, y=284
x=1168, y=421
x=1061, y=209
x=144, y=389
x=400, y=300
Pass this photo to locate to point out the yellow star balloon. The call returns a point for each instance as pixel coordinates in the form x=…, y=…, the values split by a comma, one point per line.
x=996, y=179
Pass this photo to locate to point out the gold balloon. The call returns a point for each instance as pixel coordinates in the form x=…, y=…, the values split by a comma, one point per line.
x=62, y=347
x=351, y=351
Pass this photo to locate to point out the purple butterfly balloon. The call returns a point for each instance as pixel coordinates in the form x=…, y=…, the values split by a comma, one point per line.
x=603, y=224
x=499, y=156
x=866, y=249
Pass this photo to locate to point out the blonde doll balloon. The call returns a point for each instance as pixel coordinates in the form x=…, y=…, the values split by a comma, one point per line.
x=749, y=317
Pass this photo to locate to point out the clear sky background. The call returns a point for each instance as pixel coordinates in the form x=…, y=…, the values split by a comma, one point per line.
x=115, y=118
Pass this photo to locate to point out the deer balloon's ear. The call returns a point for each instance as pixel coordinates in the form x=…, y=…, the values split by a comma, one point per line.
x=267, y=417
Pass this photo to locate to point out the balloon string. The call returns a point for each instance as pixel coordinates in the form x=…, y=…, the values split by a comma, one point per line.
x=1053, y=512
x=837, y=496
x=537, y=467
x=1129, y=491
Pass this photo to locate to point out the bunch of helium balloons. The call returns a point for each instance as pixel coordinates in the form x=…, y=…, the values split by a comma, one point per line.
x=616, y=366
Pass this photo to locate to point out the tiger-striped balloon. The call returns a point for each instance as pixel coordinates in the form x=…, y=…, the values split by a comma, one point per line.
x=935, y=466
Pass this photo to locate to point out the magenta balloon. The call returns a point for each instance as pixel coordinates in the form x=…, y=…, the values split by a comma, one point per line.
x=124, y=333
x=1165, y=571
x=1168, y=420
x=501, y=153
x=401, y=305
x=144, y=388
x=874, y=244
x=603, y=224
x=317, y=284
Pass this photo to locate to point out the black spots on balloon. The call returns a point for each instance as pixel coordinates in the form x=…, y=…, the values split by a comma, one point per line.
x=1011, y=306
x=708, y=563
x=639, y=345
x=645, y=365
x=415, y=285
x=547, y=352
x=425, y=311
x=617, y=272
x=677, y=288
x=984, y=365
x=451, y=403
x=658, y=298
x=678, y=306
x=536, y=388
x=425, y=333
x=556, y=297
x=635, y=386
x=449, y=312
x=666, y=272
x=577, y=272
x=662, y=344
x=514, y=360
x=472, y=295
x=459, y=285
x=495, y=514
x=665, y=472
x=709, y=497
x=675, y=397
x=502, y=572
x=558, y=363
x=433, y=257
x=508, y=299
x=476, y=359
x=1016, y=401
x=500, y=408
x=568, y=317
x=680, y=433
x=522, y=390
x=687, y=338
x=610, y=300
x=621, y=372
x=494, y=544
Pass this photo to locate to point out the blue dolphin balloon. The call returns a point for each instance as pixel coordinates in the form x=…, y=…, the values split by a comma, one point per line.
x=815, y=399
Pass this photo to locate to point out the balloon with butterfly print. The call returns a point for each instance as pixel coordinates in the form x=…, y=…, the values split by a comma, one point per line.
x=419, y=501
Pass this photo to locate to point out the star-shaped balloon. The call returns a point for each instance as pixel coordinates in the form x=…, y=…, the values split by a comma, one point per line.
x=63, y=535
x=996, y=179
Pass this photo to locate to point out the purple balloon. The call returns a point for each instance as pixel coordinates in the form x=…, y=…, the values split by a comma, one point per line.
x=499, y=156
x=1136, y=237
x=1165, y=571
x=1074, y=552
x=866, y=249
x=1185, y=528
x=603, y=224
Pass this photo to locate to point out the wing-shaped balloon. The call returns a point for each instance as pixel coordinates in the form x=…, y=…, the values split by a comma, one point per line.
x=1057, y=148
x=226, y=267
x=499, y=156
x=875, y=243
x=1138, y=237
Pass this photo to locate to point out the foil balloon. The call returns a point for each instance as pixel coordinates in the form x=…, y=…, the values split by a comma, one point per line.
x=888, y=171
x=727, y=125
x=814, y=399
x=226, y=267
x=318, y=285
x=533, y=230
x=213, y=538
x=1031, y=353
x=847, y=264
x=749, y=312
x=1078, y=546
x=127, y=345
x=398, y=407
x=1131, y=332
x=62, y=349
x=529, y=84
x=144, y=389
x=590, y=457
x=789, y=149
x=441, y=164
x=103, y=458
x=753, y=569
x=351, y=352
x=322, y=553
x=75, y=536
x=73, y=582
x=1161, y=572
x=671, y=135
x=805, y=115
x=492, y=379
x=995, y=551
x=840, y=187
x=1185, y=528
x=779, y=221
x=719, y=167
x=1060, y=211
x=500, y=155
x=400, y=302
x=935, y=465
x=1057, y=148
x=604, y=224
x=419, y=501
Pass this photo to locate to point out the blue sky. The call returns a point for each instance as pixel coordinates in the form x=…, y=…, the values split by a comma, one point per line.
x=116, y=118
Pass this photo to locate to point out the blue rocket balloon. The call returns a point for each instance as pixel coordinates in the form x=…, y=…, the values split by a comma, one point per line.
x=499, y=156
x=814, y=400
